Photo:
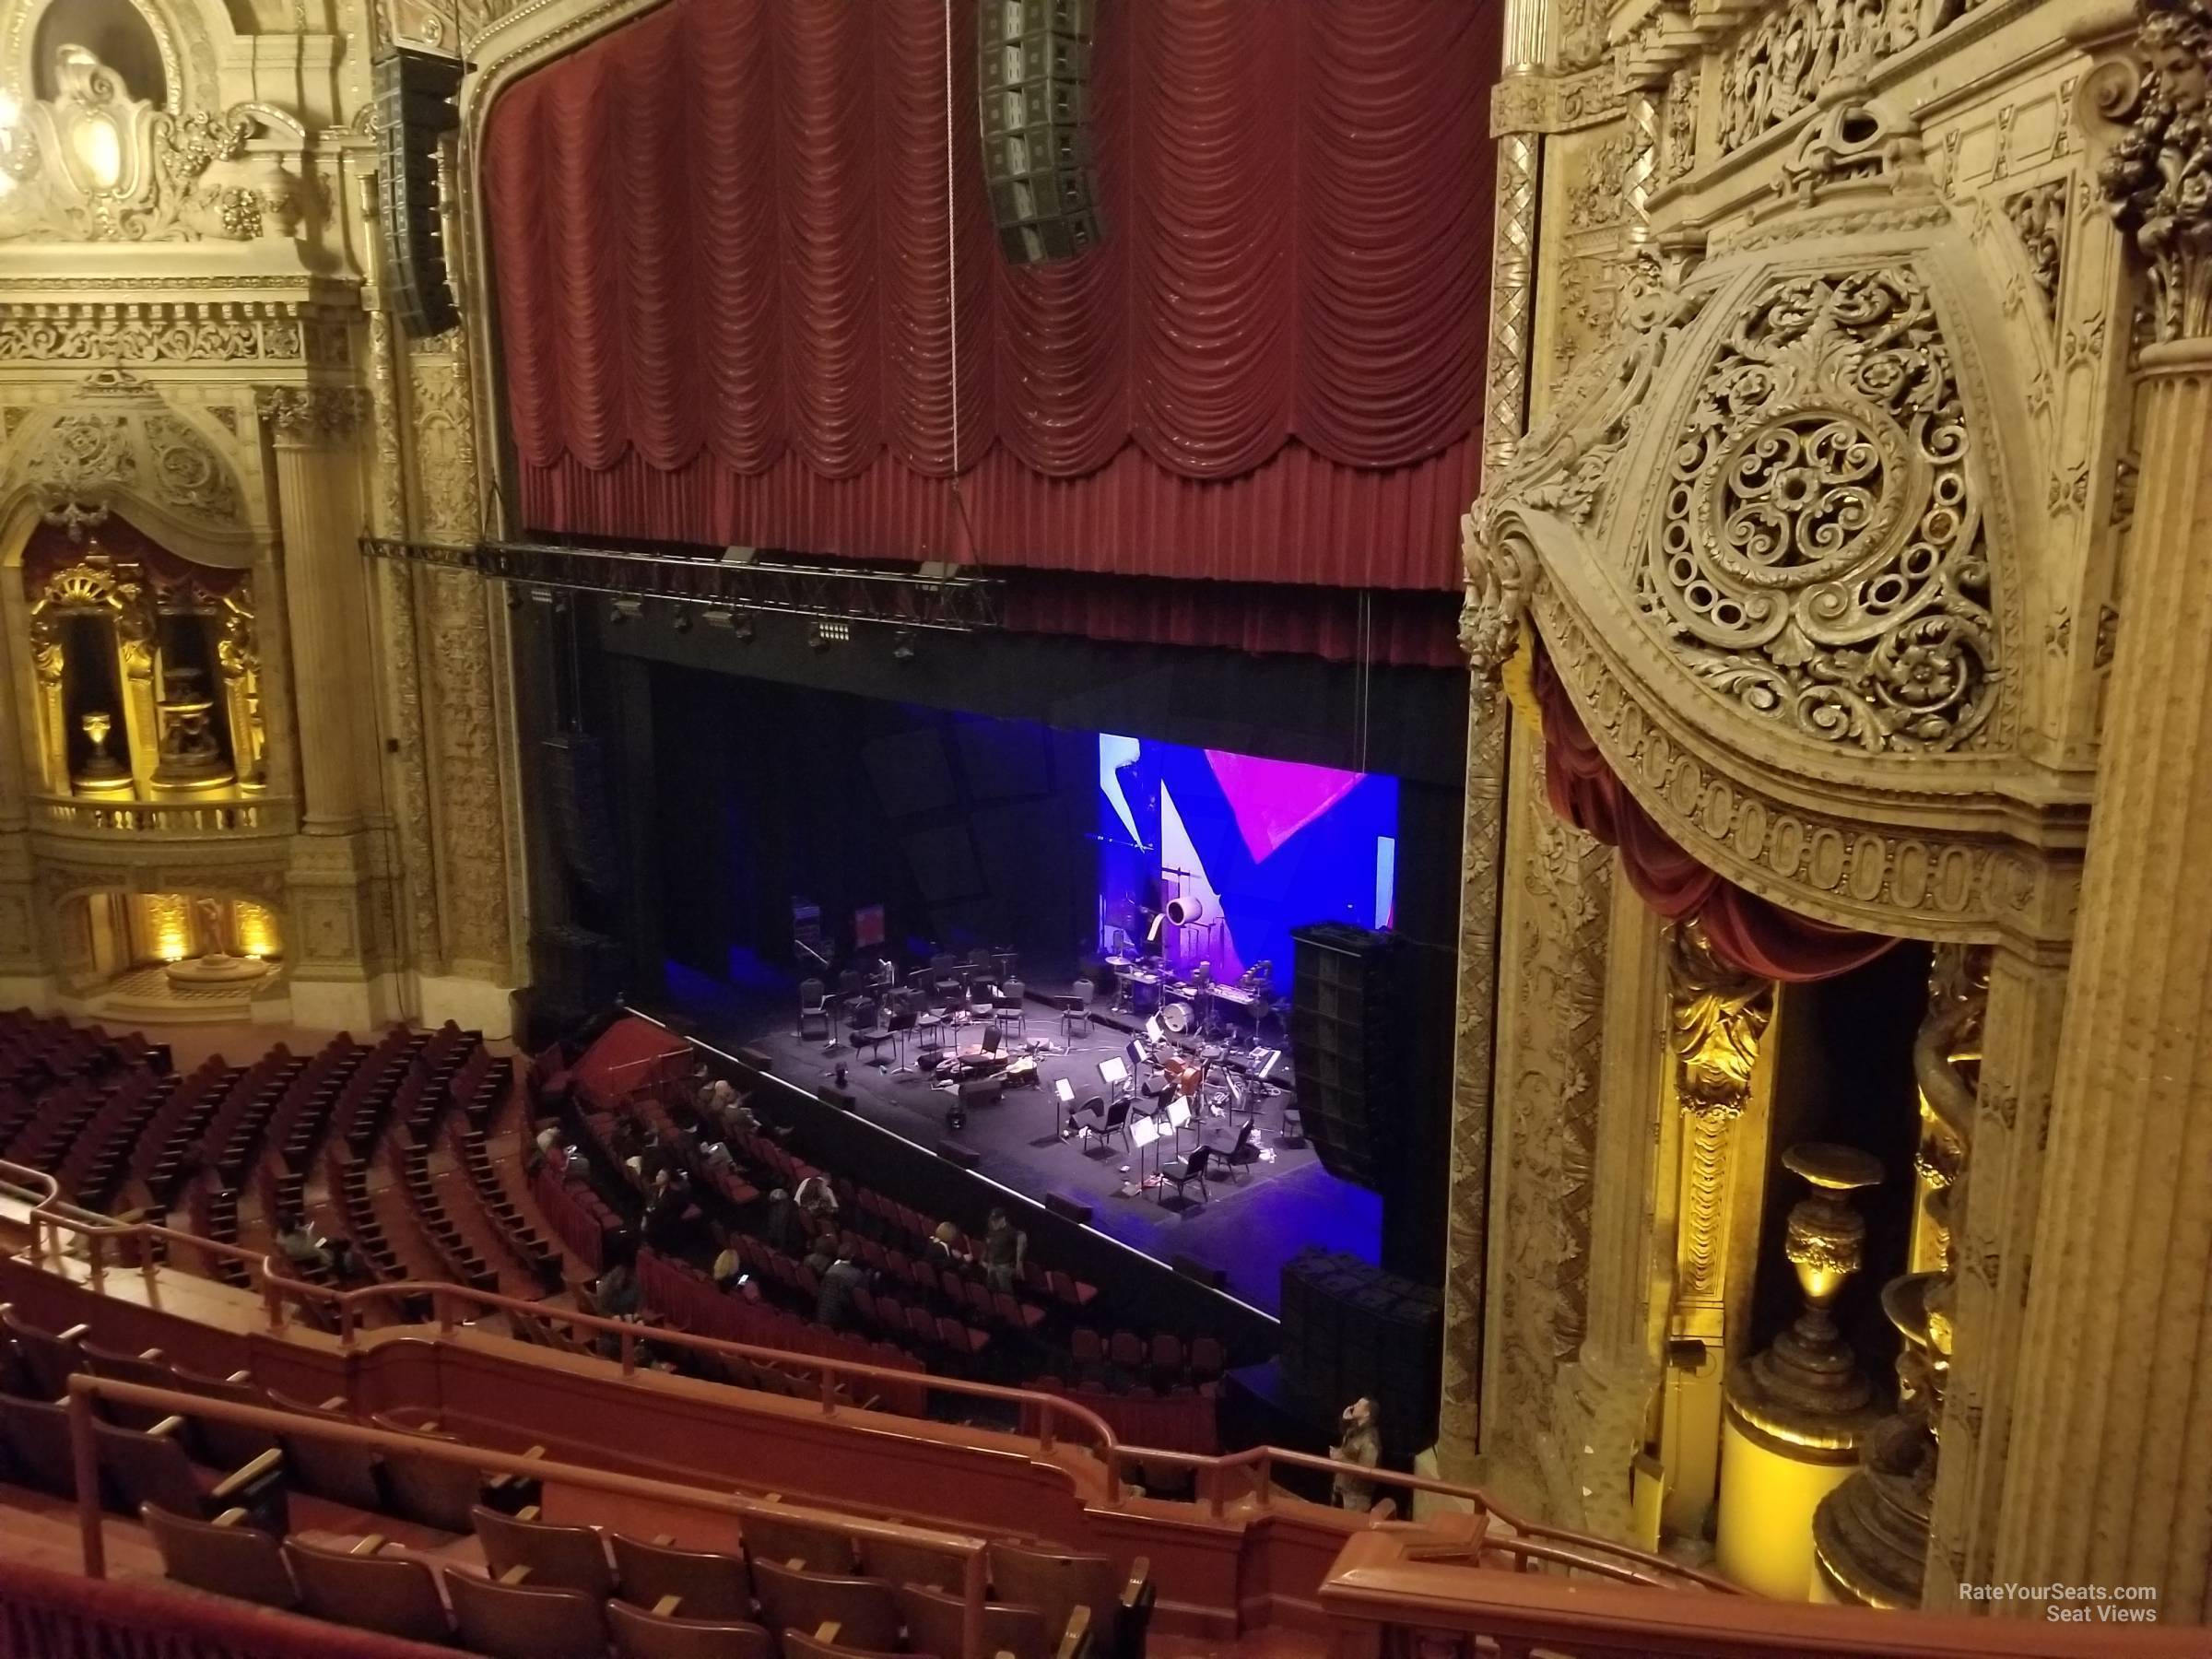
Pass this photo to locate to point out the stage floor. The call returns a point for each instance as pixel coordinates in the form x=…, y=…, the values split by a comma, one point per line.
x=1250, y=1224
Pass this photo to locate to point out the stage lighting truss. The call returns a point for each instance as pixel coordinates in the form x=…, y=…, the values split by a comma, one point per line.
x=906, y=598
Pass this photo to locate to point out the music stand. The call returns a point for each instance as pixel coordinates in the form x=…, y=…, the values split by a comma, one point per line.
x=1114, y=1073
x=1065, y=1092
x=1180, y=1119
x=1143, y=1133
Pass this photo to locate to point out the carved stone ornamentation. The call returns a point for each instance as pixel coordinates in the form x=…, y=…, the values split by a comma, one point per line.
x=1497, y=595
x=119, y=440
x=169, y=332
x=1780, y=66
x=1594, y=199
x=311, y=415
x=444, y=444
x=2158, y=176
x=466, y=738
x=1818, y=556
x=1560, y=912
x=2039, y=214
x=95, y=164
x=1554, y=103
x=1716, y=1018
x=1679, y=149
x=1568, y=460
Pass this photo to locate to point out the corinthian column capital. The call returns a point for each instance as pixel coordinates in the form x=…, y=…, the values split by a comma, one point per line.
x=2157, y=174
x=311, y=417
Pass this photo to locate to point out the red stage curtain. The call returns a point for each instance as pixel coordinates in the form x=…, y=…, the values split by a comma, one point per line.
x=725, y=295
x=1744, y=930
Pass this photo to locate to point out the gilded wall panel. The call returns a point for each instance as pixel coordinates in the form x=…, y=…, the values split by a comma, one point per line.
x=1552, y=948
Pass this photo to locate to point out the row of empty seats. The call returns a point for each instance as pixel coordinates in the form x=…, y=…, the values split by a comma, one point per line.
x=216, y=1500
x=556, y=1591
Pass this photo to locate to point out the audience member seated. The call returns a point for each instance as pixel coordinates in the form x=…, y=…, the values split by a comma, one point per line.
x=1004, y=1247
x=297, y=1245
x=839, y=1278
x=815, y=1198
x=779, y=1228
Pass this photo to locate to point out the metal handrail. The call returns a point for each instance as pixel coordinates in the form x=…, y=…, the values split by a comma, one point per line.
x=275, y=1285
x=85, y=1388
x=1528, y=1541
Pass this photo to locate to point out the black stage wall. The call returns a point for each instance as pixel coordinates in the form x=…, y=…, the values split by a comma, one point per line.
x=745, y=770
x=968, y=831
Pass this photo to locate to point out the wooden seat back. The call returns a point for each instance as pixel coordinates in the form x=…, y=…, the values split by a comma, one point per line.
x=224, y=1556
x=640, y=1634
x=560, y=1557
x=815, y=1546
x=395, y=1595
x=864, y=1610
x=707, y=1583
x=934, y=1620
x=513, y=1621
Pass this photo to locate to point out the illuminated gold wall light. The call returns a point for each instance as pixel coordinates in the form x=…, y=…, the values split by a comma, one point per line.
x=163, y=925
x=254, y=925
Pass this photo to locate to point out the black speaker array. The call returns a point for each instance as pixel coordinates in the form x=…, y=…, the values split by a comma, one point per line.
x=414, y=112
x=1350, y=1329
x=578, y=792
x=575, y=970
x=1033, y=82
x=1349, y=1045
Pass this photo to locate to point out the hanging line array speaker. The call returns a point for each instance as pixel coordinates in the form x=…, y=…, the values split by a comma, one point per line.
x=1033, y=82
x=415, y=110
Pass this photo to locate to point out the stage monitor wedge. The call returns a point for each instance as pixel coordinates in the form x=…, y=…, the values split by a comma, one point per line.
x=1350, y=1048
x=415, y=111
x=1033, y=86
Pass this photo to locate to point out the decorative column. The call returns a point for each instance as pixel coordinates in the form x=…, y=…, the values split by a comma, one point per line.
x=1992, y=1236
x=1554, y=927
x=341, y=935
x=1607, y=1394
x=407, y=780
x=2109, y=1468
x=1505, y=405
x=1717, y=1020
x=311, y=431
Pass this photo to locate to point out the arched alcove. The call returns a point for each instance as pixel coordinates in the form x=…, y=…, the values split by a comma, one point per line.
x=114, y=31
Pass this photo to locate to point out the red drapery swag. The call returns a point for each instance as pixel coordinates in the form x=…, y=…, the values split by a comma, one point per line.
x=1751, y=934
x=726, y=297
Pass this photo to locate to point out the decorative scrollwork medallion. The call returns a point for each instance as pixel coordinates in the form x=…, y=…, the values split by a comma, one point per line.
x=1818, y=556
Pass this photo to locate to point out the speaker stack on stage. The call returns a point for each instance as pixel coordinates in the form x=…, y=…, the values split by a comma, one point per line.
x=414, y=112
x=1033, y=83
x=1350, y=1044
x=1350, y=1329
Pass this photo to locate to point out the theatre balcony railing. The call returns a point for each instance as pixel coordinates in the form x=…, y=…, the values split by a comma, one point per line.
x=1471, y=1582
x=1396, y=1594
x=720, y=590
x=94, y=818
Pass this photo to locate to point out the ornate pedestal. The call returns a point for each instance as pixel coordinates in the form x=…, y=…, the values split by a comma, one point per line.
x=1796, y=1414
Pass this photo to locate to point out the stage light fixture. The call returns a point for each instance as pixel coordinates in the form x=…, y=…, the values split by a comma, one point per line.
x=682, y=620
x=625, y=610
x=902, y=646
